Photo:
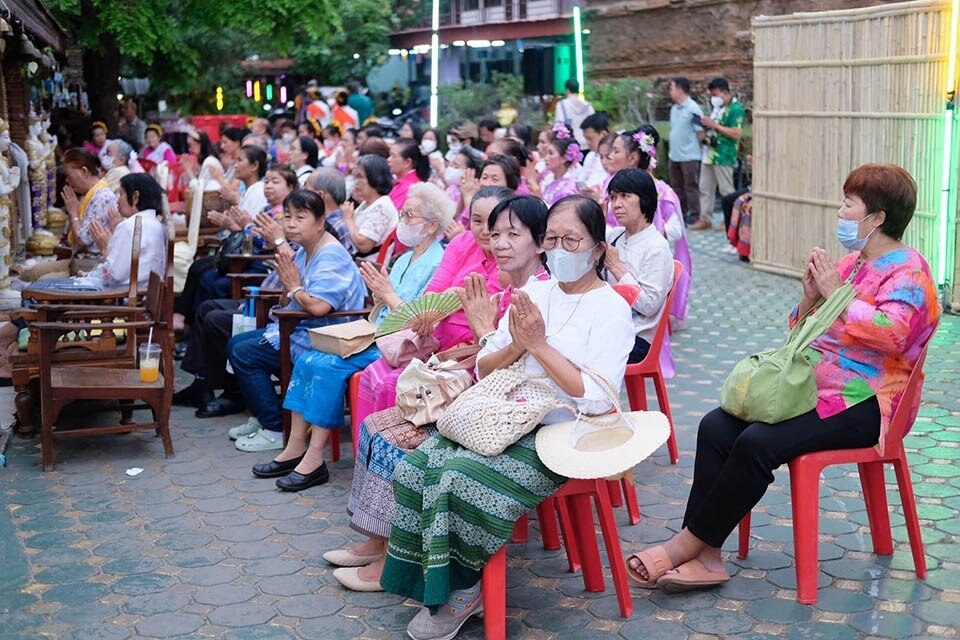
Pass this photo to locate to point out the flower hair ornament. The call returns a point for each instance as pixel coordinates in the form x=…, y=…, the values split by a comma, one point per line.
x=646, y=143
x=573, y=153
x=561, y=131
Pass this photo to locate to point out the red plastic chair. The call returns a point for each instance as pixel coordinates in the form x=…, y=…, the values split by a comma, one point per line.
x=805, y=495
x=635, y=379
x=353, y=396
x=580, y=538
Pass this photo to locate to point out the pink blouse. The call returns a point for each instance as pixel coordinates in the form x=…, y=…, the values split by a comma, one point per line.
x=401, y=188
x=462, y=257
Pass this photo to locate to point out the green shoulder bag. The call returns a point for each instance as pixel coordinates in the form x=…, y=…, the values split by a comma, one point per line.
x=778, y=384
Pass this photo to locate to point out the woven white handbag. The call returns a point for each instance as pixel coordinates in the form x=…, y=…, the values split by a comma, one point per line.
x=499, y=410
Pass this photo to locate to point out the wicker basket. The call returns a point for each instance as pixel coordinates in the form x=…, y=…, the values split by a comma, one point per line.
x=211, y=202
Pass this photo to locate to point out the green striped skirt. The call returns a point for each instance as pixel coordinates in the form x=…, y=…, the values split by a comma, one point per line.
x=455, y=509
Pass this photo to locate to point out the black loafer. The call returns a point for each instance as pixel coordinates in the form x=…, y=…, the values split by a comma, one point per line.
x=274, y=469
x=219, y=407
x=296, y=481
x=193, y=396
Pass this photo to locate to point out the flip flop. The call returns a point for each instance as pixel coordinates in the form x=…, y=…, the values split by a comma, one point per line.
x=657, y=563
x=691, y=575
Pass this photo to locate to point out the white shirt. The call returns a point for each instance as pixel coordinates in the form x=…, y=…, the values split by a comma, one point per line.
x=303, y=173
x=592, y=330
x=114, y=272
x=377, y=220
x=649, y=263
x=207, y=172
x=253, y=200
x=591, y=172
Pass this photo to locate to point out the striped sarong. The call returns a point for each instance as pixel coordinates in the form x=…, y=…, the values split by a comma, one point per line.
x=456, y=508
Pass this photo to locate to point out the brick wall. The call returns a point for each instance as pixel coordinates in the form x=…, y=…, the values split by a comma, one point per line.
x=699, y=39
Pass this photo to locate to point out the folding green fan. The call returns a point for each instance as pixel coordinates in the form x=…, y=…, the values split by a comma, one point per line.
x=432, y=307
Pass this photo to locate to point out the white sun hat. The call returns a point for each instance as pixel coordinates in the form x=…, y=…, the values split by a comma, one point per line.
x=601, y=446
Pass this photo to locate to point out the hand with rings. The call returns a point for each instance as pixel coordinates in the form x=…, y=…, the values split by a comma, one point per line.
x=527, y=327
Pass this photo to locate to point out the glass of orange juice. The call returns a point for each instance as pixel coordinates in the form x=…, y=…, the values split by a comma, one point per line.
x=149, y=362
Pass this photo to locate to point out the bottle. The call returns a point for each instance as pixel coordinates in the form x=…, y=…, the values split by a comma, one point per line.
x=247, y=248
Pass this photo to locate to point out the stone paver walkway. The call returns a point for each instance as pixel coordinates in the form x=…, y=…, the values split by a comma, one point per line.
x=195, y=547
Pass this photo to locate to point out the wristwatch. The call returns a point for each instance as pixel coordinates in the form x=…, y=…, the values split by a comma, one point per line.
x=279, y=241
x=294, y=292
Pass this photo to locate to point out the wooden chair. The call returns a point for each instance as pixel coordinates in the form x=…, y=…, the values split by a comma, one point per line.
x=116, y=380
x=48, y=306
x=805, y=494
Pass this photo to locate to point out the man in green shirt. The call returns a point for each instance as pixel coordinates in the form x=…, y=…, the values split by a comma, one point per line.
x=360, y=103
x=722, y=140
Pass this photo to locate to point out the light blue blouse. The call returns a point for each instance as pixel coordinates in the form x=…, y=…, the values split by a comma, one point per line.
x=409, y=279
x=332, y=276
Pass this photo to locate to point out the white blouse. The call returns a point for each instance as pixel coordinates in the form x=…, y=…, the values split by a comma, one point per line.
x=649, y=263
x=592, y=330
x=114, y=272
x=377, y=220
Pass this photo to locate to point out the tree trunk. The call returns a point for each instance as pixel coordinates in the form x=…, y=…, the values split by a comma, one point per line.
x=101, y=68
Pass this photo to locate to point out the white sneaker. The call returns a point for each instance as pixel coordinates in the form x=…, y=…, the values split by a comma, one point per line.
x=445, y=625
x=730, y=249
x=252, y=425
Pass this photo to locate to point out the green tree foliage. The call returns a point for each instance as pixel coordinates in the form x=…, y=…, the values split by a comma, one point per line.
x=473, y=101
x=628, y=102
x=353, y=50
x=188, y=47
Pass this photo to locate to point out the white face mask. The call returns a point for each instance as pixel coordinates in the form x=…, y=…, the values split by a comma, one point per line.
x=411, y=235
x=428, y=146
x=452, y=175
x=454, y=145
x=716, y=101
x=329, y=144
x=567, y=266
x=107, y=162
x=288, y=137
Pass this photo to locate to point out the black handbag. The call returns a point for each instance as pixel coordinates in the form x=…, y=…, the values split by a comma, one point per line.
x=231, y=245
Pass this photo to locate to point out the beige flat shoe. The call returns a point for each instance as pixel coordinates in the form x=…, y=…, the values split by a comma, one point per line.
x=344, y=558
x=350, y=578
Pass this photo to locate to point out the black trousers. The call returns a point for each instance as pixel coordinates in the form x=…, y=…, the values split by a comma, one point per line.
x=186, y=303
x=735, y=460
x=207, y=350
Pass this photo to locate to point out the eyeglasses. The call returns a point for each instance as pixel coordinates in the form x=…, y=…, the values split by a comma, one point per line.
x=407, y=215
x=570, y=243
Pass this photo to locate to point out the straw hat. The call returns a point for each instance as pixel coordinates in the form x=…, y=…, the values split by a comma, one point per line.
x=604, y=446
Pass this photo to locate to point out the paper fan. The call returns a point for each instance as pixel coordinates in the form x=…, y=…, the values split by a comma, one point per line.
x=432, y=307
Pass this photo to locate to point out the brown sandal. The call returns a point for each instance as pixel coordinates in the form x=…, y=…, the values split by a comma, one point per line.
x=657, y=563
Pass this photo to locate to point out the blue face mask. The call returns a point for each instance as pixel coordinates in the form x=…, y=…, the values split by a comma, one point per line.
x=567, y=266
x=848, y=232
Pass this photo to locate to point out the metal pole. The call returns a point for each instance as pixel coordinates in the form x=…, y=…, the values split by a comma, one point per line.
x=434, y=63
x=578, y=45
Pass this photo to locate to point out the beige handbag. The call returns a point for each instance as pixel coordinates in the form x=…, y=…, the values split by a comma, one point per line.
x=500, y=409
x=426, y=389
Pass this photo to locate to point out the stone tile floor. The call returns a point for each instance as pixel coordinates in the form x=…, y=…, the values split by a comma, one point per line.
x=195, y=547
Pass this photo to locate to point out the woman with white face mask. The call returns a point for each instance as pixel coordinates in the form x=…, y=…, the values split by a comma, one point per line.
x=861, y=366
x=555, y=328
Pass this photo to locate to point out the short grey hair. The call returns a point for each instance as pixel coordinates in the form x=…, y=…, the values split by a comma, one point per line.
x=437, y=205
x=123, y=149
x=329, y=181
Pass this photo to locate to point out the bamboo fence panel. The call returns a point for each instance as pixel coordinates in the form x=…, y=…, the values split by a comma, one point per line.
x=834, y=90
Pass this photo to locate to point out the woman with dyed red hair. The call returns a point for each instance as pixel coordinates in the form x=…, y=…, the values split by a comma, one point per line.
x=861, y=366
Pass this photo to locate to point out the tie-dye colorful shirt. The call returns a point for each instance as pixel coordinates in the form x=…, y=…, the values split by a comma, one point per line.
x=872, y=349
